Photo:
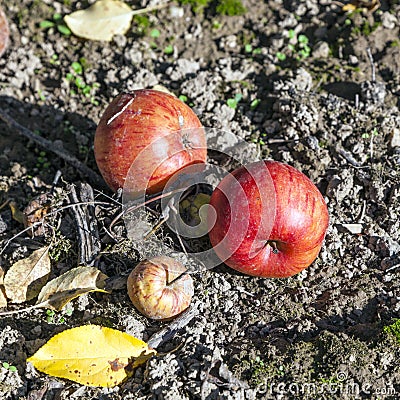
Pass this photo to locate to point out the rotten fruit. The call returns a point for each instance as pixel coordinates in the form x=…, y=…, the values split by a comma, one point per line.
x=270, y=221
x=152, y=131
x=160, y=288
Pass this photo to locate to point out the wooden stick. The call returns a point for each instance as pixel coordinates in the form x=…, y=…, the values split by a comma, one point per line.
x=170, y=331
x=92, y=176
x=87, y=232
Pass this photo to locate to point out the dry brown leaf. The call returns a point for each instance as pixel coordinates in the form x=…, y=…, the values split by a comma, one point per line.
x=35, y=212
x=75, y=282
x=16, y=213
x=26, y=277
x=4, y=32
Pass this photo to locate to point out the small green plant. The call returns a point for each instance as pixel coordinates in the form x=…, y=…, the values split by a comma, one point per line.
x=216, y=24
x=169, y=49
x=233, y=102
x=60, y=247
x=54, y=60
x=8, y=366
x=42, y=160
x=77, y=79
x=142, y=23
x=41, y=95
x=366, y=135
x=280, y=56
x=155, y=33
x=254, y=104
x=230, y=7
x=183, y=98
x=248, y=48
x=53, y=318
x=50, y=316
x=393, y=330
x=56, y=22
x=300, y=50
x=196, y=5
x=223, y=7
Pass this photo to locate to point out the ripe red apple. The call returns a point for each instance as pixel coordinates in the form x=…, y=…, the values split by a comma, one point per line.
x=270, y=221
x=156, y=130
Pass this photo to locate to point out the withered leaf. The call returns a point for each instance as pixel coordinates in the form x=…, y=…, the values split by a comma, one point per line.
x=26, y=277
x=101, y=21
x=35, y=212
x=73, y=283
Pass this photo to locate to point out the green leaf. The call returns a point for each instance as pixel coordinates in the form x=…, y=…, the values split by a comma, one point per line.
x=303, y=39
x=255, y=103
x=63, y=30
x=169, y=49
x=248, y=48
x=232, y=103
x=281, y=56
x=183, y=98
x=155, y=33
x=46, y=24
x=77, y=67
x=238, y=97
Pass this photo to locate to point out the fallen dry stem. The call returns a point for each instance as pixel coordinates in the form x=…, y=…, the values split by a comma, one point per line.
x=92, y=176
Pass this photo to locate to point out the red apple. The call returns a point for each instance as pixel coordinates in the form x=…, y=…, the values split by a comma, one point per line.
x=270, y=221
x=154, y=130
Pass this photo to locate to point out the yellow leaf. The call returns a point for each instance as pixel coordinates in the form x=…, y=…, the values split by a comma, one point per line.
x=26, y=277
x=101, y=21
x=73, y=283
x=349, y=7
x=92, y=355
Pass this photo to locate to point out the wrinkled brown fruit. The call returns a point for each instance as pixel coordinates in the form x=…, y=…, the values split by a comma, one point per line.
x=159, y=287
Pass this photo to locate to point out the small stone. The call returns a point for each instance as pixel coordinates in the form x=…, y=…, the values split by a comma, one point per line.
x=353, y=60
x=388, y=20
x=395, y=138
x=176, y=12
x=321, y=50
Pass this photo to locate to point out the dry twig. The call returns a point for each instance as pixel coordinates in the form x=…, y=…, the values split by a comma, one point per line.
x=92, y=176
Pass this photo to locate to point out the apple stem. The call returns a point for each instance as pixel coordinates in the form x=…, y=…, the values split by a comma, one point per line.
x=180, y=276
x=274, y=246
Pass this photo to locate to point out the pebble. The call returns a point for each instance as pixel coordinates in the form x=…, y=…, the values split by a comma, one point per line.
x=389, y=20
x=321, y=50
x=395, y=138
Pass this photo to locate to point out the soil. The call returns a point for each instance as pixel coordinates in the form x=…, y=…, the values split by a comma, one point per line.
x=310, y=96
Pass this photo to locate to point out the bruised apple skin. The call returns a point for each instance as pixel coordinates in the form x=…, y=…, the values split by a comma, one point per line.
x=154, y=128
x=159, y=287
x=287, y=219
